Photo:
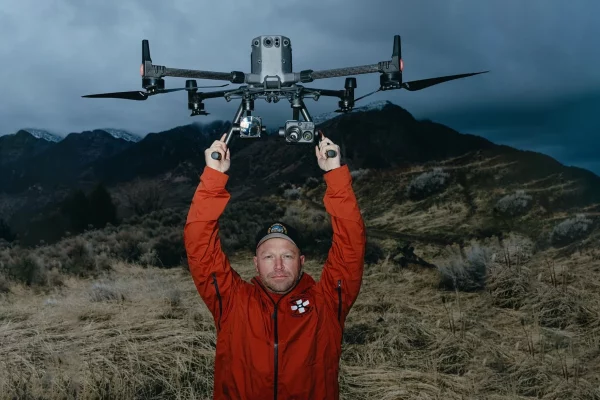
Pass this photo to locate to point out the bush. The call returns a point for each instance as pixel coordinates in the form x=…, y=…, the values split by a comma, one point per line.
x=144, y=196
x=25, y=268
x=427, y=183
x=359, y=173
x=293, y=193
x=312, y=182
x=373, y=253
x=81, y=258
x=513, y=204
x=170, y=250
x=466, y=273
x=570, y=230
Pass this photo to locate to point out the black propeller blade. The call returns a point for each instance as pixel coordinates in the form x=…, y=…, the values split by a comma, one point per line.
x=136, y=95
x=421, y=84
x=139, y=95
x=425, y=83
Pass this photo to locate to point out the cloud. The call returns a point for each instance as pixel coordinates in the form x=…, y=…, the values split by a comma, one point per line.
x=538, y=52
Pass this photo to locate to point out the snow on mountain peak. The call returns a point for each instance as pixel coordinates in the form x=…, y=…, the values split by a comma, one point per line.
x=42, y=134
x=121, y=134
x=375, y=105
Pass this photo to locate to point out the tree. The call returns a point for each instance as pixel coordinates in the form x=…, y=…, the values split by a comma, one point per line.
x=5, y=231
x=144, y=197
x=77, y=209
x=102, y=208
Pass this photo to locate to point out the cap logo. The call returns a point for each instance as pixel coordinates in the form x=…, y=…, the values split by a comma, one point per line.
x=277, y=228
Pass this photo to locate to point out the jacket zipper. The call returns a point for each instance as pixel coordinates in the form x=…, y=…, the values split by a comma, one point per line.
x=339, y=290
x=276, y=337
x=214, y=275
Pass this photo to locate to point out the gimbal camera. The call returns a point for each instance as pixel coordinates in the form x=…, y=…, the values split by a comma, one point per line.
x=271, y=77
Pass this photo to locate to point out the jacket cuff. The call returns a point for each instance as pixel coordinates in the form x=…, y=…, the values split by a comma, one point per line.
x=338, y=177
x=213, y=179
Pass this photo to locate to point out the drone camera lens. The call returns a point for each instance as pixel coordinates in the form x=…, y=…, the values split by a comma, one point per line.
x=256, y=42
x=286, y=42
x=268, y=42
x=307, y=135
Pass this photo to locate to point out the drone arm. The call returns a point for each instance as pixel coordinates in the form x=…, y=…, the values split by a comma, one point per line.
x=325, y=92
x=213, y=95
x=234, y=76
x=310, y=75
x=150, y=70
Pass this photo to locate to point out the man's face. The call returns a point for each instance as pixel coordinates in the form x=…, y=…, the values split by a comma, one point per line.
x=278, y=263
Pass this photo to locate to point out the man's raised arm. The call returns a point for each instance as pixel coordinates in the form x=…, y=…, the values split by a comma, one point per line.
x=211, y=270
x=342, y=274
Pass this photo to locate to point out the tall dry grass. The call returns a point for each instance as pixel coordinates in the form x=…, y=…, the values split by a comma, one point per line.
x=133, y=331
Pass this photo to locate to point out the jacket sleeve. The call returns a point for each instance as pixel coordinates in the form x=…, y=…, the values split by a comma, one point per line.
x=342, y=273
x=210, y=268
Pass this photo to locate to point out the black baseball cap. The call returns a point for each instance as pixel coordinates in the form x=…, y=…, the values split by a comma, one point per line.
x=277, y=229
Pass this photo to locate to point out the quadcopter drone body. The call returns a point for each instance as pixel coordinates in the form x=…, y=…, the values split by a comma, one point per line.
x=272, y=77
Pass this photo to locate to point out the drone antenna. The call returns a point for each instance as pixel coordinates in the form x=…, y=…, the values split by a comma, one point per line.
x=145, y=51
x=396, y=51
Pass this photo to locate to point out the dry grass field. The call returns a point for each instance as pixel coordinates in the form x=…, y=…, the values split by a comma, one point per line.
x=143, y=332
x=111, y=314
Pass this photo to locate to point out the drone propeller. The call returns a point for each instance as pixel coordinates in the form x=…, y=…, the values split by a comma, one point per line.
x=139, y=95
x=420, y=84
x=425, y=83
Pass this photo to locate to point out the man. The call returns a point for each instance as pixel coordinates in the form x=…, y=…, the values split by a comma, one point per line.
x=278, y=336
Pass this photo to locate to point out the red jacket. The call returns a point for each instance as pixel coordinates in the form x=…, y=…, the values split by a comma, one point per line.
x=286, y=349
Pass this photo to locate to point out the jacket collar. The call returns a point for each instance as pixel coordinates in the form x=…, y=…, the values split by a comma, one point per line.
x=305, y=282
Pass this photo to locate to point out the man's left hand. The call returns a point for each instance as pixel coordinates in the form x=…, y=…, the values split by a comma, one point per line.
x=327, y=164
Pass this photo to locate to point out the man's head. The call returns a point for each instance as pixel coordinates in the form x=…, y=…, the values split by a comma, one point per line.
x=278, y=258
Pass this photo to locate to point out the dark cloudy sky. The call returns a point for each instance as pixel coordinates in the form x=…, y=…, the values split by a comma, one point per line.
x=543, y=91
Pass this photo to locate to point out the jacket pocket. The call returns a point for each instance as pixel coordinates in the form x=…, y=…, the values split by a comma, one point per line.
x=214, y=276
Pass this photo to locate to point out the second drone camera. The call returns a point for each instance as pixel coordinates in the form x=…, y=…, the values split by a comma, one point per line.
x=294, y=131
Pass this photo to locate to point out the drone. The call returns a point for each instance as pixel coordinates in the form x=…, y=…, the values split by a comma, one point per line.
x=271, y=78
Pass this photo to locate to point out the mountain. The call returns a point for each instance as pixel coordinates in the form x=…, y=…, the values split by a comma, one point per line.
x=45, y=135
x=62, y=163
x=381, y=139
x=158, y=153
x=375, y=105
x=21, y=146
x=122, y=134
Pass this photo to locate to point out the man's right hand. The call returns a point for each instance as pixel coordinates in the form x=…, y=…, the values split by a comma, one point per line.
x=225, y=161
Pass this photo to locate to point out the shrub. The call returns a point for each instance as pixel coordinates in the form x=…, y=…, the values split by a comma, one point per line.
x=373, y=253
x=359, y=173
x=103, y=292
x=293, y=193
x=170, y=250
x=26, y=268
x=427, y=183
x=570, y=230
x=128, y=245
x=81, y=258
x=312, y=182
x=143, y=197
x=466, y=273
x=514, y=204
